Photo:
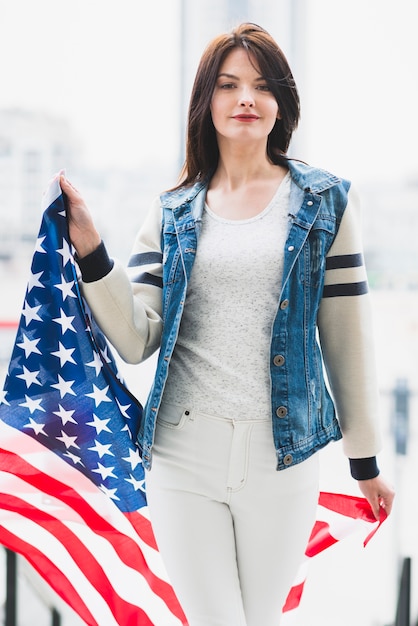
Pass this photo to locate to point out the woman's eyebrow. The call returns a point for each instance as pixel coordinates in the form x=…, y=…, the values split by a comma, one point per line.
x=225, y=75
x=233, y=77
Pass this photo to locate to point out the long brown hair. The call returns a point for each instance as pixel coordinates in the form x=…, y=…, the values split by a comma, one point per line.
x=202, y=151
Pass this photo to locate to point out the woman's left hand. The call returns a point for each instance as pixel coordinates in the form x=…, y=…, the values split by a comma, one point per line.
x=378, y=493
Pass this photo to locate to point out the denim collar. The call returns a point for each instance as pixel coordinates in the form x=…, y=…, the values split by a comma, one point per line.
x=306, y=177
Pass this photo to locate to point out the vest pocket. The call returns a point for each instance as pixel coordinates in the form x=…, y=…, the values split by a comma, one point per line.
x=315, y=250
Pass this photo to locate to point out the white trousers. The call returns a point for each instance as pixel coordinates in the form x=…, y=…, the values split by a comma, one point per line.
x=231, y=529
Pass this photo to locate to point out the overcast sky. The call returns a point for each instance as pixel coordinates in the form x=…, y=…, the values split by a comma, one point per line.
x=111, y=68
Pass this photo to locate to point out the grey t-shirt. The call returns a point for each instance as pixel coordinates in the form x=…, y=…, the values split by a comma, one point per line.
x=220, y=364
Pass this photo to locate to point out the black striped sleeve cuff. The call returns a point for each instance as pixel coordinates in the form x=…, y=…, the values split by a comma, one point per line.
x=349, y=288
x=139, y=264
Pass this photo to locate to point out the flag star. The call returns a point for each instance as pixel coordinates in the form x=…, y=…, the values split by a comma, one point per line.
x=64, y=354
x=37, y=428
x=68, y=441
x=126, y=429
x=105, y=472
x=105, y=354
x=66, y=416
x=32, y=404
x=99, y=395
x=34, y=281
x=31, y=313
x=29, y=345
x=66, y=322
x=101, y=448
x=111, y=493
x=30, y=378
x=133, y=458
x=75, y=459
x=123, y=408
x=66, y=288
x=38, y=245
x=99, y=424
x=96, y=363
x=3, y=394
x=65, y=252
x=64, y=386
x=138, y=485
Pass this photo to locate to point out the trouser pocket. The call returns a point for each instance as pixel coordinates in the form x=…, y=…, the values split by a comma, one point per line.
x=173, y=416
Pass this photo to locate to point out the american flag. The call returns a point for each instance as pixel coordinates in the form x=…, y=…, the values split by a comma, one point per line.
x=338, y=516
x=72, y=494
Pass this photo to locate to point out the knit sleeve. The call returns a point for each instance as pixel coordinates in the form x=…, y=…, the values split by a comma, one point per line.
x=127, y=302
x=346, y=336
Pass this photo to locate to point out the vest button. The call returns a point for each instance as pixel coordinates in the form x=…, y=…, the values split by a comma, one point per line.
x=281, y=411
x=284, y=304
x=288, y=459
x=310, y=203
x=278, y=360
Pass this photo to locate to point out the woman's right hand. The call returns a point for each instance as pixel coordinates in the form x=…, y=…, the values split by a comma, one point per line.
x=83, y=234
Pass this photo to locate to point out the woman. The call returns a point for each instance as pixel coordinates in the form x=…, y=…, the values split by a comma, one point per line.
x=234, y=274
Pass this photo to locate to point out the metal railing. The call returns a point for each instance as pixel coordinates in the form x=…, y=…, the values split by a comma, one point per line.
x=12, y=593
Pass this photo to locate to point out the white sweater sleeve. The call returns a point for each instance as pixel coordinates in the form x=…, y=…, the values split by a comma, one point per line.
x=346, y=335
x=127, y=303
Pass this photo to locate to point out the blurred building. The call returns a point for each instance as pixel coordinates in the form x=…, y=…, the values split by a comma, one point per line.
x=33, y=145
x=390, y=221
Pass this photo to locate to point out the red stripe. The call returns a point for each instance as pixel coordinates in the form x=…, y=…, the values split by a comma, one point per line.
x=293, y=599
x=349, y=506
x=354, y=507
x=320, y=539
x=50, y=572
x=13, y=463
x=127, y=549
x=123, y=611
x=142, y=527
x=8, y=324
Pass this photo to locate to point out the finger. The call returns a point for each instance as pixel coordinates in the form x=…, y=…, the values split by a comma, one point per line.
x=66, y=183
x=386, y=504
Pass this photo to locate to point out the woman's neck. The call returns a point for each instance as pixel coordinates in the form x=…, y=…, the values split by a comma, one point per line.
x=242, y=187
x=233, y=174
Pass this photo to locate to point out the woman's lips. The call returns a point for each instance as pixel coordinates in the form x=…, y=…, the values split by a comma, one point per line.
x=246, y=118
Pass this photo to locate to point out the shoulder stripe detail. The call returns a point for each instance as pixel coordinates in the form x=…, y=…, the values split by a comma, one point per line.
x=344, y=260
x=148, y=279
x=145, y=258
x=345, y=289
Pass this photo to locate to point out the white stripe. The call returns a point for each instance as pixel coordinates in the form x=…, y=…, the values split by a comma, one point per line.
x=290, y=618
x=40, y=457
x=52, y=192
x=128, y=583
x=47, y=462
x=341, y=526
x=49, y=545
x=302, y=572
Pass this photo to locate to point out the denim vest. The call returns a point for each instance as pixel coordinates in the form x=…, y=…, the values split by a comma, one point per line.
x=302, y=411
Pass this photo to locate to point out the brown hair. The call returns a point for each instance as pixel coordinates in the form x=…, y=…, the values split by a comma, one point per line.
x=202, y=151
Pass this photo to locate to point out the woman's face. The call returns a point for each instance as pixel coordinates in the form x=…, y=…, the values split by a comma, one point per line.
x=243, y=108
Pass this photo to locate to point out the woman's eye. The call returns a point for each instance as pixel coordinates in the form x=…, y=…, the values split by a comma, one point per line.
x=263, y=88
x=227, y=86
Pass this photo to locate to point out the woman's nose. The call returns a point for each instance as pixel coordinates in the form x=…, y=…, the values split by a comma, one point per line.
x=246, y=98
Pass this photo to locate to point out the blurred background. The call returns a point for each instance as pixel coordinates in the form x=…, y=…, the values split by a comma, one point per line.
x=101, y=87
